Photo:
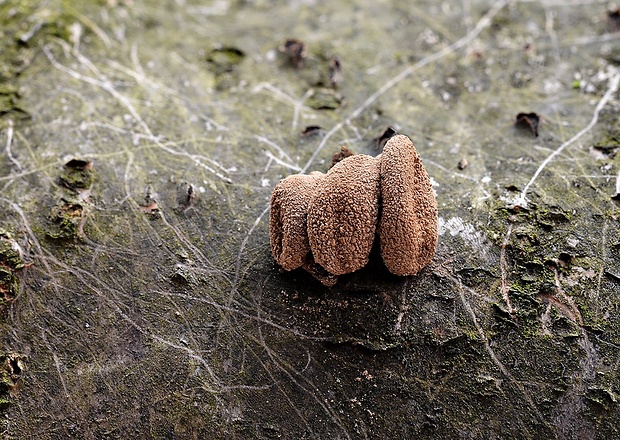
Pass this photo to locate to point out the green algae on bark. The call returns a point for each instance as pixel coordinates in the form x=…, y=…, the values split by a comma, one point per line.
x=12, y=369
x=11, y=261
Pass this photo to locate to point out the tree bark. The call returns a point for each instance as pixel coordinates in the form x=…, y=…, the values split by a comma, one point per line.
x=141, y=145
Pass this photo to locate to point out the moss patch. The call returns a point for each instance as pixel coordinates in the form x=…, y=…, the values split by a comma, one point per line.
x=11, y=261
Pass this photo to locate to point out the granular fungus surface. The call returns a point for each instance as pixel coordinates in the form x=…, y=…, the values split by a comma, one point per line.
x=342, y=210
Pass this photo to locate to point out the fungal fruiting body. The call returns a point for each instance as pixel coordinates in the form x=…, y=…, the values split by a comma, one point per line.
x=288, y=218
x=330, y=220
x=342, y=215
x=408, y=225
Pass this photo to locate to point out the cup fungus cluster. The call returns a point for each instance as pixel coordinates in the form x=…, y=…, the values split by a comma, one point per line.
x=331, y=220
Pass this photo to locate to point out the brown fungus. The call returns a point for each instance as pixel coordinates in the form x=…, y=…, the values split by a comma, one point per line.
x=342, y=215
x=341, y=155
x=326, y=223
x=408, y=224
x=287, y=221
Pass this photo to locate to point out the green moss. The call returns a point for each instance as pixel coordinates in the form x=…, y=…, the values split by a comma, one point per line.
x=65, y=220
x=10, y=262
x=9, y=99
x=8, y=283
x=604, y=397
x=77, y=179
x=553, y=216
x=324, y=99
x=10, y=253
x=23, y=25
x=225, y=59
x=11, y=377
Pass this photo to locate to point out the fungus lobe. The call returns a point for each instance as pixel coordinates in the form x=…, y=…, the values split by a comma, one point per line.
x=408, y=224
x=287, y=221
x=343, y=213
